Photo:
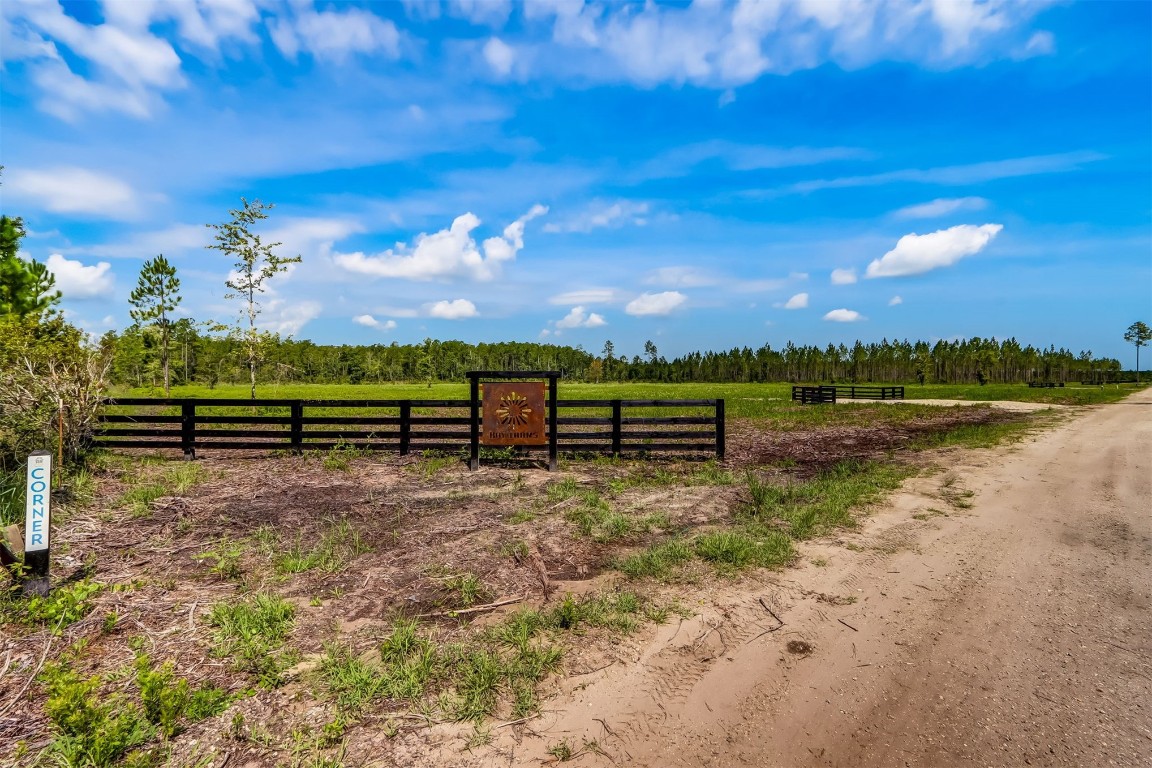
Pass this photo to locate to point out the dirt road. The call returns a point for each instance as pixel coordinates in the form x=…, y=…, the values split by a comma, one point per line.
x=998, y=614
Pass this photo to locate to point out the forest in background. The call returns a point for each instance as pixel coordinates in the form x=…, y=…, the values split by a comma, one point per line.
x=200, y=358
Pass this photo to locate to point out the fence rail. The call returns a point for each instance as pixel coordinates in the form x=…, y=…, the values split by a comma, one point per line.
x=850, y=391
x=603, y=426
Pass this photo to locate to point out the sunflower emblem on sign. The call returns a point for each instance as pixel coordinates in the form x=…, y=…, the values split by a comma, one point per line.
x=513, y=410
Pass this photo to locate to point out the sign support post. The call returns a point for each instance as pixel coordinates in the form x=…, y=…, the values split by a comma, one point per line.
x=38, y=521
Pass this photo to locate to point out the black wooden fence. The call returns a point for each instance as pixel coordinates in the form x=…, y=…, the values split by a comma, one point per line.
x=604, y=426
x=828, y=394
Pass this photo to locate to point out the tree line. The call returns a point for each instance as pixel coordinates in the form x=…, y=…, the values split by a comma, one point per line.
x=198, y=357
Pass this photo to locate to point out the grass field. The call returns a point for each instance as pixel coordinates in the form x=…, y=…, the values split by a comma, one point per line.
x=742, y=400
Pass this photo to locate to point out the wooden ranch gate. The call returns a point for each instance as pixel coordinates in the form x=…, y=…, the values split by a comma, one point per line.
x=604, y=426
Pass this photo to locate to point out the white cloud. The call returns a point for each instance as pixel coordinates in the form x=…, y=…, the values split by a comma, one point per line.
x=915, y=254
x=75, y=280
x=370, y=322
x=499, y=56
x=843, y=276
x=679, y=277
x=451, y=310
x=120, y=65
x=726, y=98
x=941, y=206
x=578, y=318
x=895, y=301
x=602, y=215
x=448, y=253
x=490, y=13
x=334, y=35
x=68, y=189
x=585, y=296
x=655, y=303
x=799, y=301
x=288, y=317
x=723, y=45
x=844, y=316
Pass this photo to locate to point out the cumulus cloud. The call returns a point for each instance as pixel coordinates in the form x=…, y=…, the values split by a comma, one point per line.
x=843, y=276
x=448, y=253
x=679, y=277
x=75, y=280
x=655, y=303
x=68, y=189
x=585, y=296
x=451, y=310
x=370, y=322
x=915, y=254
x=895, y=301
x=602, y=215
x=941, y=206
x=844, y=316
x=499, y=56
x=579, y=318
x=799, y=301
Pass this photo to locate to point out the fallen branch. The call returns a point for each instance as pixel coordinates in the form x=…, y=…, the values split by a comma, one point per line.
x=764, y=603
x=475, y=609
x=847, y=625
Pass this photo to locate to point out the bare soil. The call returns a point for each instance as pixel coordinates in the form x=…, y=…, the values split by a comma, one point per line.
x=996, y=613
x=1017, y=631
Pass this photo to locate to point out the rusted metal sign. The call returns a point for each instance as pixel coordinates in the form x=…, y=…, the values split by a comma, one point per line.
x=514, y=413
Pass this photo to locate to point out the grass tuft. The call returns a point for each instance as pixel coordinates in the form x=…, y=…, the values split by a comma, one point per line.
x=253, y=630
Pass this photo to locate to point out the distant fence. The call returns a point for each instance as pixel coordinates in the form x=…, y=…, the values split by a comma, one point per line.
x=1045, y=384
x=828, y=394
x=606, y=426
x=810, y=395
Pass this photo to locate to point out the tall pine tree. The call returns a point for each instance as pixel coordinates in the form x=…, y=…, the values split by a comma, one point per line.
x=155, y=296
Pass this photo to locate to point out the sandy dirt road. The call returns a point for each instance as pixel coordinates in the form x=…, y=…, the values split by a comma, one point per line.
x=996, y=614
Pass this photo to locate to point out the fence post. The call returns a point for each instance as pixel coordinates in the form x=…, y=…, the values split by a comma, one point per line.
x=616, y=429
x=720, y=429
x=296, y=437
x=405, y=427
x=553, y=427
x=188, y=429
x=474, y=443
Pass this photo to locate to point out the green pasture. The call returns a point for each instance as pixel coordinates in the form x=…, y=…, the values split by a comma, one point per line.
x=741, y=400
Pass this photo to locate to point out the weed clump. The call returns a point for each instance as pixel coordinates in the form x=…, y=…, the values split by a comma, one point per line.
x=252, y=631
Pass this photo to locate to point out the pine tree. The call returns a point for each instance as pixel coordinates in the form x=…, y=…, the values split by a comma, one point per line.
x=156, y=295
x=26, y=287
x=257, y=261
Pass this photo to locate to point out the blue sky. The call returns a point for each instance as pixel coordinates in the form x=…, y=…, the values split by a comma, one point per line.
x=704, y=175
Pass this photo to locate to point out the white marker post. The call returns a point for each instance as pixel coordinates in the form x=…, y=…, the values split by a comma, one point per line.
x=38, y=521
